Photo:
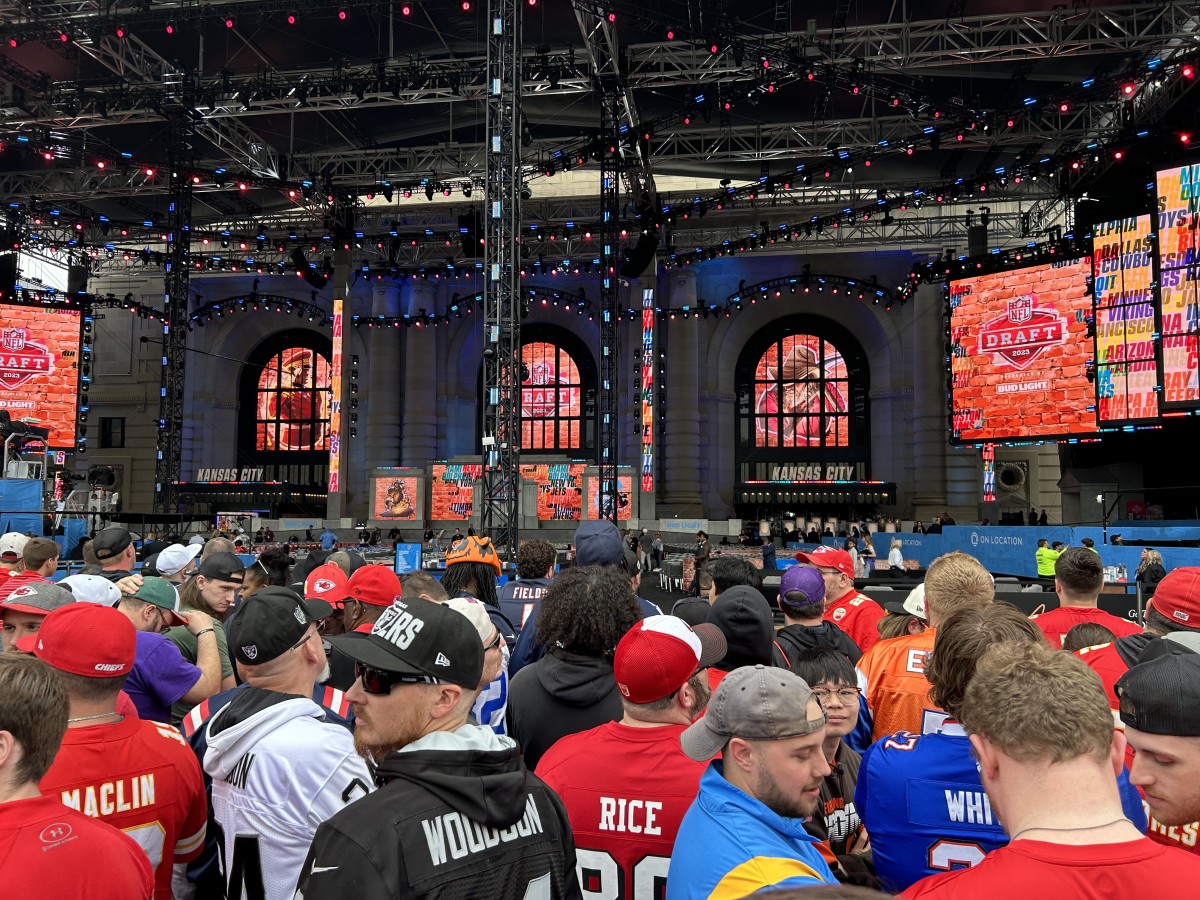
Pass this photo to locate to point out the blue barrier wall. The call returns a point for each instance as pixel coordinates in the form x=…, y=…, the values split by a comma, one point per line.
x=20, y=494
x=1010, y=549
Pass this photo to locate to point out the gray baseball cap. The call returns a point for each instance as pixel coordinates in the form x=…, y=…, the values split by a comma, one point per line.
x=757, y=703
x=38, y=598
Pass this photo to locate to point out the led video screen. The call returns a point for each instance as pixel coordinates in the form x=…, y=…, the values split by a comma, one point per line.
x=551, y=411
x=1019, y=354
x=293, y=401
x=1179, y=271
x=452, y=494
x=560, y=490
x=803, y=401
x=395, y=498
x=39, y=368
x=624, y=491
x=1126, y=366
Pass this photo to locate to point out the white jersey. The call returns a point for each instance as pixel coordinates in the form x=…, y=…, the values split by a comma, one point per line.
x=278, y=771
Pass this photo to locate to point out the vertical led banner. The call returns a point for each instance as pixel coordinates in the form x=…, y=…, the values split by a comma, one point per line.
x=1178, y=270
x=335, y=406
x=648, y=315
x=989, y=473
x=1126, y=364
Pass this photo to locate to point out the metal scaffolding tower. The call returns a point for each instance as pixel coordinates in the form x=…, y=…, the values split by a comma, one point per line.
x=610, y=261
x=169, y=466
x=501, y=451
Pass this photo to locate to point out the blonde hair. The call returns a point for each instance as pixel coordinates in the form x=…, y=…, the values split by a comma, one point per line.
x=956, y=581
x=1037, y=704
x=1153, y=556
x=897, y=544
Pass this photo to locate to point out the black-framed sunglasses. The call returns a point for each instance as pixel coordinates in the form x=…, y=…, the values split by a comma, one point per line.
x=495, y=642
x=377, y=681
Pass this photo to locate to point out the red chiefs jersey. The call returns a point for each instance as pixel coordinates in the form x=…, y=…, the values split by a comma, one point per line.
x=1036, y=870
x=897, y=689
x=858, y=616
x=626, y=790
x=1057, y=622
x=141, y=777
x=49, y=851
x=1106, y=662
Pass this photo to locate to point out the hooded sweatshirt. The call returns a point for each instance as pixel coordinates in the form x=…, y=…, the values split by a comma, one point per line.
x=790, y=640
x=278, y=771
x=562, y=693
x=457, y=814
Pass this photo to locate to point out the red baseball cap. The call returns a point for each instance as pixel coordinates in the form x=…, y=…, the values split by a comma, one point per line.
x=829, y=558
x=1178, y=596
x=326, y=582
x=376, y=585
x=658, y=654
x=84, y=639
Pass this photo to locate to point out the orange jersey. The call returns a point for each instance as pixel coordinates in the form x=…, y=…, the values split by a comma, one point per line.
x=897, y=689
x=858, y=616
x=1055, y=623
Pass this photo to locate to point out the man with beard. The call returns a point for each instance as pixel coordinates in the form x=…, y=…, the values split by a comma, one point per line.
x=745, y=831
x=626, y=784
x=456, y=813
x=270, y=733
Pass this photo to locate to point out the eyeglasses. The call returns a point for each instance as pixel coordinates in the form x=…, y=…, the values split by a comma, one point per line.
x=844, y=695
x=377, y=681
x=494, y=644
x=308, y=636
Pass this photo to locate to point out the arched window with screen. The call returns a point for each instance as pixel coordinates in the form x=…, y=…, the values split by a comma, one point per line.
x=552, y=416
x=801, y=394
x=292, y=402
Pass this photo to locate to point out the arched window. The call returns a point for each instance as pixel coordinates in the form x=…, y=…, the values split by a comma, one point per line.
x=552, y=413
x=292, y=402
x=801, y=394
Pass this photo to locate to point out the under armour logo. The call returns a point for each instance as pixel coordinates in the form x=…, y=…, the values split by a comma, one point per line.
x=441, y=660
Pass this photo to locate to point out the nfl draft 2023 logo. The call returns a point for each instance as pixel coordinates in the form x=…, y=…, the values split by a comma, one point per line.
x=1023, y=333
x=21, y=359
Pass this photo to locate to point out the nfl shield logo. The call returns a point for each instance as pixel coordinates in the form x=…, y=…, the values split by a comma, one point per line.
x=1020, y=309
x=13, y=339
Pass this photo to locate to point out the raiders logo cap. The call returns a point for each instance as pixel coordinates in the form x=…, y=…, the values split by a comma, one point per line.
x=271, y=623
x=417, y=637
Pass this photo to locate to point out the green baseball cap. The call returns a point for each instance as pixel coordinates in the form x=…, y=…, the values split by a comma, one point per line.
x=161, y=593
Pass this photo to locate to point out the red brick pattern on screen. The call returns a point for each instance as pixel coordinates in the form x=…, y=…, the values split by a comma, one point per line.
x=1050, y=397
x=51, y=397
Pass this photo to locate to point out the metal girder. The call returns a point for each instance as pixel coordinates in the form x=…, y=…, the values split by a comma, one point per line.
x=140, y=68
x=168, y=469
x=501, y=450
x=610, y=260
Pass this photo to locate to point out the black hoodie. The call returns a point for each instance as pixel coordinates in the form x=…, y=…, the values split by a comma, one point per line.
x=562, y=693
x=446, y=824
x=792, y=639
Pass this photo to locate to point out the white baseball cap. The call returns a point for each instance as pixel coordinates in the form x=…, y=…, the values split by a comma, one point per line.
x=12, y=545
x=92, y=589
x=175, y=558
x=476, y=612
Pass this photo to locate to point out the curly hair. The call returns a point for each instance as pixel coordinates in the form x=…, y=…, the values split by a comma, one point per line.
x=587, y=610
x=460, y=575
x=273, y=566
x=534, y=558
x=963, y=638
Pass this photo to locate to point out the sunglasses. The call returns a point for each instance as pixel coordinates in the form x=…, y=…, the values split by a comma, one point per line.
x=495, y=642
x=377, y=681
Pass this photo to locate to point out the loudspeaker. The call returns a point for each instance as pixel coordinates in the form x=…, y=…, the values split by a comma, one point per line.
x=637, y=259
x=311, y=275
x=77, y=279
x=469, y=228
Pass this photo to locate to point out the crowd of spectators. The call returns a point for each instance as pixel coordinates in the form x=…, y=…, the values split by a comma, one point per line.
x=202, y=728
